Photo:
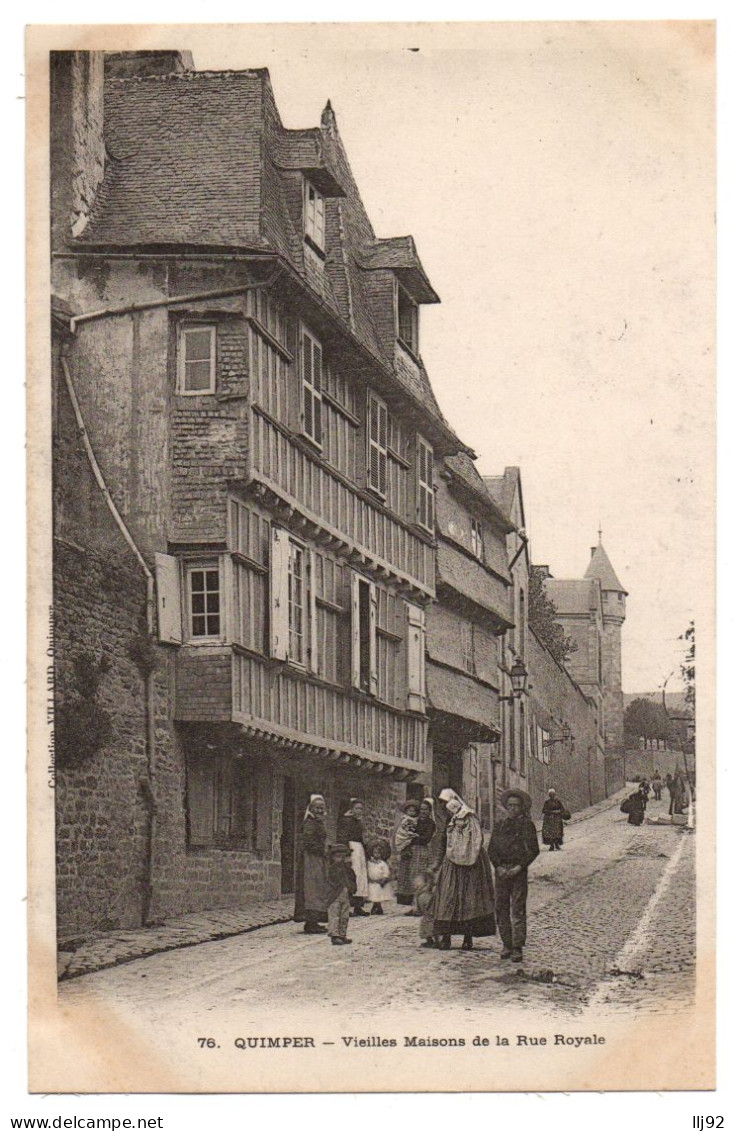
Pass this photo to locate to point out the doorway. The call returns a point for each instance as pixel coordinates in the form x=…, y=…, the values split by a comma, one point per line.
x=288, y=838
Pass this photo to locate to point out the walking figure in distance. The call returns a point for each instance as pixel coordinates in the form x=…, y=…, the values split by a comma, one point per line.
x=513, y=846
x=554, y=814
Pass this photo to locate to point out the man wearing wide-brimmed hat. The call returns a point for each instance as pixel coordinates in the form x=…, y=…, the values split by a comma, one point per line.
x=512, y=848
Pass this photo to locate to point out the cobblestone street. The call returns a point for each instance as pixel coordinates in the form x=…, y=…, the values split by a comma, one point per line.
x=611, y=924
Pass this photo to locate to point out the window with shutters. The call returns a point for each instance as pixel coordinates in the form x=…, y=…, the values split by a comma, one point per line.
x=221, y=793
x=314, y=217
x=197, y=358
x=377, y=424
x=293, y=610
x=311, y=382
x=407, y=322
x=203, y=600
x=477, y=539
x=424, y=484
x=416, y=654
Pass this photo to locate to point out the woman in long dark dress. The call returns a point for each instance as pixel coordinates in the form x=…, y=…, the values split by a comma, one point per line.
x=463, y=902
x=349, y=831
x=311, y=881
x=634, y=807
x=552, y=831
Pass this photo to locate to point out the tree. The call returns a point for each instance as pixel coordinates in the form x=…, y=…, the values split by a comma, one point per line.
x=647, y=720
x=688, y=667
x=542, y=615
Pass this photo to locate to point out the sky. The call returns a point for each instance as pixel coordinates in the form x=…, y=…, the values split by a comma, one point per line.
x=558, y=180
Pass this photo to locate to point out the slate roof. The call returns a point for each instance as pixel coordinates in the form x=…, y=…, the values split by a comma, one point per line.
x=601, y=569
x=464, y=469
x=502, y=488
x=200, y=159
x=572, y=596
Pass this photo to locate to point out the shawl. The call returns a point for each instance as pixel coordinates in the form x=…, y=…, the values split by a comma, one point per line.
x=405, y=833
x=464, y=839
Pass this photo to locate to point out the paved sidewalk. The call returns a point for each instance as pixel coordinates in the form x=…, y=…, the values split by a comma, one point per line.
x=113, y=948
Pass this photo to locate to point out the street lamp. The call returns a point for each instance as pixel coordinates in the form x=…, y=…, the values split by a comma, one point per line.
x=518, y=674
x=562, y=737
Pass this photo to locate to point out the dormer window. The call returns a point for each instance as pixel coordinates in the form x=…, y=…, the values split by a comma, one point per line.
x=407, y=322
x=313, y=217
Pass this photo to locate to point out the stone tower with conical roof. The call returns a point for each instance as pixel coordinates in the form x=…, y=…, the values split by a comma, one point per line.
x=613, y=611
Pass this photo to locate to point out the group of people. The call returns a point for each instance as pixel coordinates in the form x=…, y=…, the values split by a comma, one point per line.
x=636, y=804
x=441, y=867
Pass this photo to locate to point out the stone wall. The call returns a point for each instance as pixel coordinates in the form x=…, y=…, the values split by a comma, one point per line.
x=575, y=769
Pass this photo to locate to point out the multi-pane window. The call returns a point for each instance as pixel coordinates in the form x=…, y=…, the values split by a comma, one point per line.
x=377, y=444
x=296, y=591
x=311, y=378
x=293, y=613
x=477, y=539
x=407, y=321
x=197, y=359
x=313, y=215
x=424, y=481
x=203, y=597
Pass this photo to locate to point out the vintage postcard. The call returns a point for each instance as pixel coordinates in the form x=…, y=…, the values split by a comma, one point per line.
x=371, y=461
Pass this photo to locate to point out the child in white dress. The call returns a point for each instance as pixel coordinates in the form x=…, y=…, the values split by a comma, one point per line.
x=378, y=878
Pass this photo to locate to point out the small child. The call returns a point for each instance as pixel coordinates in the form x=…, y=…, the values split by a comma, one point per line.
x=341, y=883
x=423, y=888
x=378, y=877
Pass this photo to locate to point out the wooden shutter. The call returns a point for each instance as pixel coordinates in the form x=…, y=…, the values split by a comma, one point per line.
x=200, y=799
x=355, y=630
x=377, y=444
x=279, y=552
x=416, y=657
x=373, y=639
x=168, y=589
x=313, y=626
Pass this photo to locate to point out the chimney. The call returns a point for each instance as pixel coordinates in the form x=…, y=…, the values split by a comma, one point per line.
x=543, y=572
x=147, y=64
x=77, y=140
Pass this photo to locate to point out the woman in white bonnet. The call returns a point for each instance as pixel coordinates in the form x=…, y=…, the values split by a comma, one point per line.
x=463, y=901
x=311, y=883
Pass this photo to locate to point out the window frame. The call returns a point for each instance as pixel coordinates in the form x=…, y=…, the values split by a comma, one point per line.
x=297, y=549
x=207, y=565
x=194, y=326
x=424, y=485
x=309, y=387
x=314, y=233
x=468, y=648
x=375, y=443
x=477, y=538
x=405, y=304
